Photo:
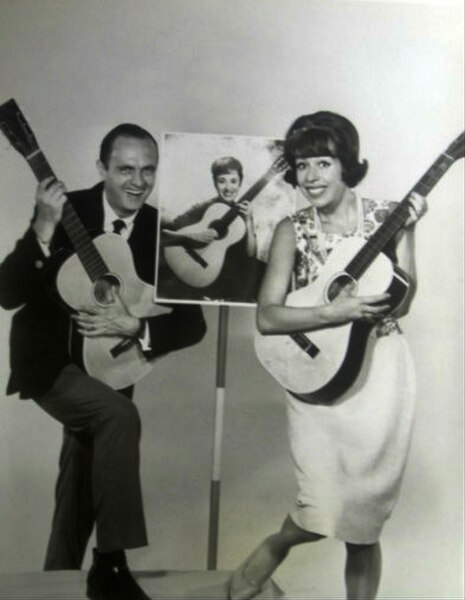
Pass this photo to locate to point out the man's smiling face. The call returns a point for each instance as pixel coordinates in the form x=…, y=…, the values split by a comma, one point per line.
x=129, y=176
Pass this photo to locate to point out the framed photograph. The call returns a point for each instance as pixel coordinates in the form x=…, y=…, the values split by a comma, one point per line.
x=220, y=199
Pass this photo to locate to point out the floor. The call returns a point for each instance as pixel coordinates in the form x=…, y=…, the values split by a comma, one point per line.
x=168, y=585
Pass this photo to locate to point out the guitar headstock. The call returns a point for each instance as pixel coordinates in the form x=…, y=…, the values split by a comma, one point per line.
x=280, y=165
x=16, y=129
x=456, y=150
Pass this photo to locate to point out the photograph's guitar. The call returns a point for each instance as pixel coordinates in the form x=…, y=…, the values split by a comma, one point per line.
x=200, y=267
x=91, y=275
x=317, y=367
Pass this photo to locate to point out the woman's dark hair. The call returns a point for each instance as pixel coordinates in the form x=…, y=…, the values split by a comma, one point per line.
x=128, y=130
x=325, y=133
x=226, y=164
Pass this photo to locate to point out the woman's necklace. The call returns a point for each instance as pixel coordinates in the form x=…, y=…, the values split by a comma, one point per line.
x=350, y=224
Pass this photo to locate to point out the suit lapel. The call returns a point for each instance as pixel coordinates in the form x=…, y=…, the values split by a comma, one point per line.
x=90, y=209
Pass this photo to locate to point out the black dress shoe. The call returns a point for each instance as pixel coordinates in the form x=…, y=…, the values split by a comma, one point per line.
x=110, y=579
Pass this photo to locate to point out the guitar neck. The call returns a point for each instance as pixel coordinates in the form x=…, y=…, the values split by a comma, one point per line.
x=396, y=220
x=40, y=165
x=82, y=243
x=258, y=186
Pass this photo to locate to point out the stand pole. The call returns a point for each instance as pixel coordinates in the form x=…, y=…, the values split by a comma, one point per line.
x=217, y=438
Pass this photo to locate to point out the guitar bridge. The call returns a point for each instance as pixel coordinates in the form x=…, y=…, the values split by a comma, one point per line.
x=305, y=344
x=122, y=347
x=196, y=256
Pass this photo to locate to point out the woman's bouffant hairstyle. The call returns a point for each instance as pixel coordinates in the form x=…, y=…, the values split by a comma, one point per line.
x=226, y=164
x=325, y=134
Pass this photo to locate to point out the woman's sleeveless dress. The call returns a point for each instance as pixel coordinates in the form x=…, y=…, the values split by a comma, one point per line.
x=350, y=457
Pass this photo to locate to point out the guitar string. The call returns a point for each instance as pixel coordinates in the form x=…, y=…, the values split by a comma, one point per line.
x=395, y=221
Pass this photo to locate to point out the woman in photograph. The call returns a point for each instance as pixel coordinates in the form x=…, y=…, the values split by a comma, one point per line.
x=350, y=455
x=238, y=269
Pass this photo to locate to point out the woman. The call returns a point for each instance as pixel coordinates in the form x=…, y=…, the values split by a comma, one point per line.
x=349, y=456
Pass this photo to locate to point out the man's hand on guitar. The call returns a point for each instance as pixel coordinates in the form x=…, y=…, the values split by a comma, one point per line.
x=111, y=320
x=50, y=197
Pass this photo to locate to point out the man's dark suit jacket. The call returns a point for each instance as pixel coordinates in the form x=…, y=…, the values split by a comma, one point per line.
x=40, y=332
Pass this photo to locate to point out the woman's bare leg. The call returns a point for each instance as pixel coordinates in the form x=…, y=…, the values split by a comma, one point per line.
x=249, y=578
x=363, y=571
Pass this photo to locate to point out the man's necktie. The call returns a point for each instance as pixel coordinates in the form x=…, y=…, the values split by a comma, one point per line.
x=118, y=225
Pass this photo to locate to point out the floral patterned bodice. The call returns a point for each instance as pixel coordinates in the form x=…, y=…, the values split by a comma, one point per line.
x=313, y=245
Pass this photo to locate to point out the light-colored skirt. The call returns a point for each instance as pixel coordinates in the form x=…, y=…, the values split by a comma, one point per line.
x=350, y=457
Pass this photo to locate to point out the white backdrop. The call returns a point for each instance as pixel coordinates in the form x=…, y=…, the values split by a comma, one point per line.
x=248, y=67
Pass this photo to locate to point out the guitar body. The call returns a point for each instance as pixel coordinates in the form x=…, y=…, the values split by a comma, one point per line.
x=335, y=354
x=127, y=364
x=200, y=267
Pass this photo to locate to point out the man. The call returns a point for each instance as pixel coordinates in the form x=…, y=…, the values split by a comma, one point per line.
x=99, y=463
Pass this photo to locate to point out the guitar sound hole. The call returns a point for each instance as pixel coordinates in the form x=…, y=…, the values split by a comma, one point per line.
x=105, y=288
x=338, y=284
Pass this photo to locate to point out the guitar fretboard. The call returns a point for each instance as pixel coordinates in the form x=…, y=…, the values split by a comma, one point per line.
x=90, y=258
x=396, y=220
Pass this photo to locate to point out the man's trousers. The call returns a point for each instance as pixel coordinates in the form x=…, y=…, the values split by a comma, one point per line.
x=98, y=478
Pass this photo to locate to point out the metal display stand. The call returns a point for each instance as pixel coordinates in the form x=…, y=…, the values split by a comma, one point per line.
x=215, y=485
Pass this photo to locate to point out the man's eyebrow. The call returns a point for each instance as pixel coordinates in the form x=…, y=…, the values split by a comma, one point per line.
x=129, y=166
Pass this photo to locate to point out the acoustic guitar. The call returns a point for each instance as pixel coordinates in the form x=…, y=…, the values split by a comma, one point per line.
x=317, y=367
x=99, y=267
x=199, y=267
